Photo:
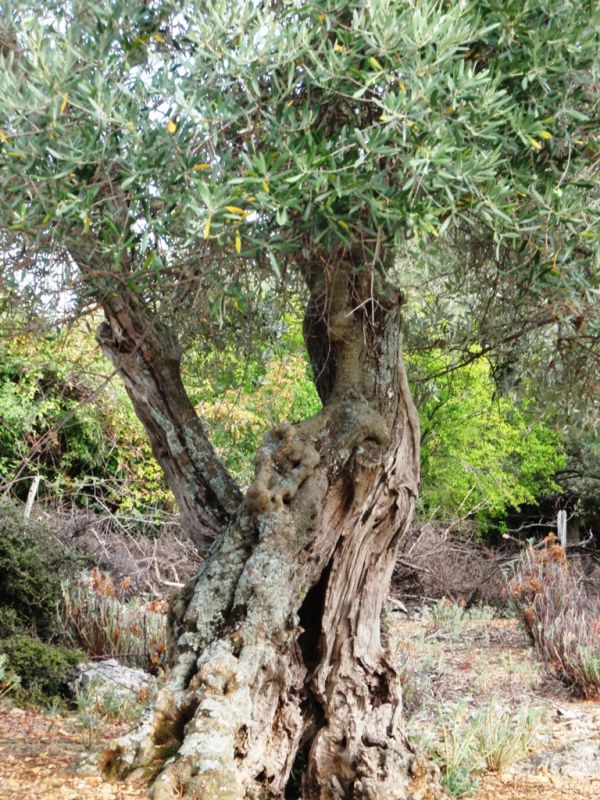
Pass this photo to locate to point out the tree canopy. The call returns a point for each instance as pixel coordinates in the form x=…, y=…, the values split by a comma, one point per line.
x=196, y=155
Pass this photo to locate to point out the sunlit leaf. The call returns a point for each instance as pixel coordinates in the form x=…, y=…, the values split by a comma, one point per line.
x=375, y=64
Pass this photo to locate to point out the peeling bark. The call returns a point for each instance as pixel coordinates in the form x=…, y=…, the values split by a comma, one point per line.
x=278, y=664
x=147, y=357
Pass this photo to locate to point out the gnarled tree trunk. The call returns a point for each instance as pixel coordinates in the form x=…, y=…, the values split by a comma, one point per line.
x=280, y=686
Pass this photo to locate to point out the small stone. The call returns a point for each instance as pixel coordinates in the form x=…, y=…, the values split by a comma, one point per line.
x=396, y=605
x=112, y=678
x=567, y=713
x=579, y=759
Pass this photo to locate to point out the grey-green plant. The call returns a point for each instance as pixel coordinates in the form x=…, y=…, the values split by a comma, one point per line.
x=96, y=705
x=87, y=716
x=418, y=665
x=469, y=744
x=127, y=708
x=458, y=752
x=450, y=618
x=527, y=672
x=506, y=734
x=482, y=613
x=590, y=664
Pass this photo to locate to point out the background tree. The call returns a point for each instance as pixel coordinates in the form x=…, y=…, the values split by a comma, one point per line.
x=172, y=163
x=481, y=453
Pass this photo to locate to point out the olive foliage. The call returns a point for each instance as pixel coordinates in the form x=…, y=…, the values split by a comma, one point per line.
x=194, y=155
x=269, y=127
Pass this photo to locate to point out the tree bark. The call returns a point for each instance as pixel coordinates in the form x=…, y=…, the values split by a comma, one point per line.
x=147, y=357
x=280, y=686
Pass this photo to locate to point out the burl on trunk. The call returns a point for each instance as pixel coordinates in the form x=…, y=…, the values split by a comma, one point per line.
x=280, y=687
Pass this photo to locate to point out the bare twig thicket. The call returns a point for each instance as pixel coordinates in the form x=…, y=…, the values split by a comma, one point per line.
x=158, y=562
x=437, y=563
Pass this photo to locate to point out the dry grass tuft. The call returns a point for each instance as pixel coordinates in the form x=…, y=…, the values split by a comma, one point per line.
x=560, y=616
x=98, y=619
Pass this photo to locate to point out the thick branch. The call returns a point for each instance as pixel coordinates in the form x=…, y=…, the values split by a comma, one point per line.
x=147, y=357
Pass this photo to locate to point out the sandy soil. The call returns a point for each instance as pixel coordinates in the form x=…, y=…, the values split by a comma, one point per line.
x=492, y=662
x=39, y=756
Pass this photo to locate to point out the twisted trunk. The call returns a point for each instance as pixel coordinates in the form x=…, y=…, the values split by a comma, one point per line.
x=280, y=686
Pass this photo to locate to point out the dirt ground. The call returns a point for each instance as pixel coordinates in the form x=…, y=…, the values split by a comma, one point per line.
x=489, y=662
x=465, y=668
x=40, y=753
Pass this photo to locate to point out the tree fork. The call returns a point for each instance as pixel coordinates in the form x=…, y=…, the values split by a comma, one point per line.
x=277, y=645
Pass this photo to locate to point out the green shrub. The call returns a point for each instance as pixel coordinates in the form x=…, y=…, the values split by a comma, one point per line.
x=9, y=621
x=44, y=670
x=8, y=680
x=32, y=564
x=64, y=419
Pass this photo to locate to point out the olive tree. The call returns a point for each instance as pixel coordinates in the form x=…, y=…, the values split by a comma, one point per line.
x=174, y=163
